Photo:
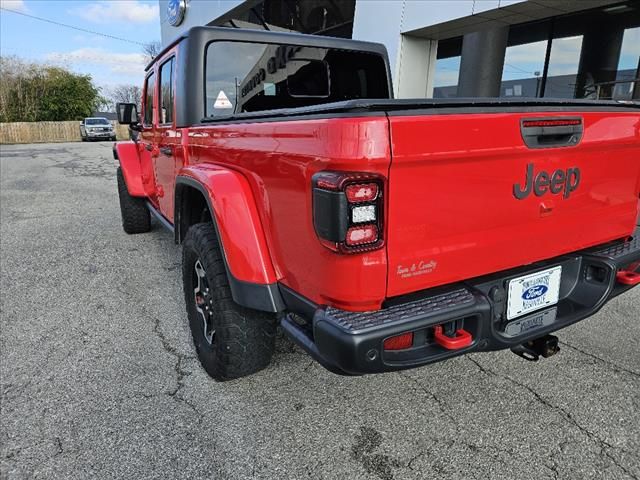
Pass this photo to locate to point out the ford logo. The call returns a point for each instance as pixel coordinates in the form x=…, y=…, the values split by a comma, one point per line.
x=175, y=11
x=534, y=292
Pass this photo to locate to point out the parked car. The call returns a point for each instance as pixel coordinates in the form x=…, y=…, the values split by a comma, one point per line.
x=97, y=128
x=380, y=234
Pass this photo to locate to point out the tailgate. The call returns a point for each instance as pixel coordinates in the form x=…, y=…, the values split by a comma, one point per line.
x=475, y=193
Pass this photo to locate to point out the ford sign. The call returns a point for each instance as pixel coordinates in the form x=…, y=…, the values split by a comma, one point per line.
x=534, y=292
x=175, y=11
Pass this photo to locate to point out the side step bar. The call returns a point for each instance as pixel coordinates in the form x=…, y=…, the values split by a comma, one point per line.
x=301, y=338
x=163, y=221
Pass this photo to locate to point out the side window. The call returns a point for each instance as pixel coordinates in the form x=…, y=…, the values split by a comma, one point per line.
x=149, y=90
x=166, y=92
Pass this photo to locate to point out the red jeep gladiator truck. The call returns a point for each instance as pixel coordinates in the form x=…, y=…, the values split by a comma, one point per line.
x=380, y=234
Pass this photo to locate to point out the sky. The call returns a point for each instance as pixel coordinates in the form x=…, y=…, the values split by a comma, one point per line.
x=109, y=61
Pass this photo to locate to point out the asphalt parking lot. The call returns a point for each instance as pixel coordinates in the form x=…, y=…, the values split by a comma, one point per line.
x=99, y=378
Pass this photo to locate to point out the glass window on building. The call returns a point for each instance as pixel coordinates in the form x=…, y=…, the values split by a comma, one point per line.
x=564, y=60
x=318, y=17
x=628, y=66
x=523, y=68
x=445, y=81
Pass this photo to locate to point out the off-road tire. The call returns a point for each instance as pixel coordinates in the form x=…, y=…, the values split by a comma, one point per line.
x=244, y=339
x=135, y=215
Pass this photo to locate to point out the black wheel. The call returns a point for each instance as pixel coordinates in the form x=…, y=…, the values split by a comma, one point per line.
x=113, y=139
x=231, y=341
x=135, y=215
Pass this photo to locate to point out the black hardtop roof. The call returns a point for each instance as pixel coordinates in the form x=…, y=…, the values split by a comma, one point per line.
x=201, y=36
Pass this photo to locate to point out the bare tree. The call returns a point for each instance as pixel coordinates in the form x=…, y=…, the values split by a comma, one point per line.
x=16, y=100
x=125, y=94
x=151, y=50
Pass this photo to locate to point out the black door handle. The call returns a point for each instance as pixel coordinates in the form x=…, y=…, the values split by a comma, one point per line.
x=166, y=151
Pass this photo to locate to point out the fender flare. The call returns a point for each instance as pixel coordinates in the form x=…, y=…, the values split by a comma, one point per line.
x=250, y=271
x=127, y=154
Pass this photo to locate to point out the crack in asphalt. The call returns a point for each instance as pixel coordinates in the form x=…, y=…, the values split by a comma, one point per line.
x=489, y=451
x=13, y=390
x=59, y=450
x=554, y=470
x=409, y=464
x=600, y=442
x=180, y=372
x=441, y=404
x=613, y=365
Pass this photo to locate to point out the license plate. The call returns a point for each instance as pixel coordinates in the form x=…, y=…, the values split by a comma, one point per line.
x=533, y=292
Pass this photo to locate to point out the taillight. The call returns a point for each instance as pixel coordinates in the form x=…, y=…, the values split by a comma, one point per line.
x=361, y=235
x=364, y=213
x=361, y=192
x=348, y=210
x=399, y=342
x=560, y=122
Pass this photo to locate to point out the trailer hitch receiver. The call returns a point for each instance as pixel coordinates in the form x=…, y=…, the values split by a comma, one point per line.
x=532, y=350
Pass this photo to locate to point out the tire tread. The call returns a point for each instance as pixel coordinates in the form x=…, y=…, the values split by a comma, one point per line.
x=135, y=214
x=244, y=338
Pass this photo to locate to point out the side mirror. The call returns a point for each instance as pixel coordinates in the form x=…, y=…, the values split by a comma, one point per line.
x=127, y=113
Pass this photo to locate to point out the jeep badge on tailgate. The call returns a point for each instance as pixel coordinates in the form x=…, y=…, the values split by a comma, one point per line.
x=567, y=180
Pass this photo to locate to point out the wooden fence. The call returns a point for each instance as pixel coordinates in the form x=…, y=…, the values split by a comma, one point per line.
x=48, y=132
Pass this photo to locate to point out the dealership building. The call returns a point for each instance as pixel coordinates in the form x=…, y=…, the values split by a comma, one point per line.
x=459, y=48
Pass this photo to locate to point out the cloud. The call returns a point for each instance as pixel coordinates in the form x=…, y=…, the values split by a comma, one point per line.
x=530, y=53
x=132, y=11
x=522, y=61
x=129, y=64
x=16, y=5
x=631, y=42
x=445, y=78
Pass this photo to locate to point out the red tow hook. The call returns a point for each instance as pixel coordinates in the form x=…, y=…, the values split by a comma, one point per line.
x=630, y=275
x=461, y=339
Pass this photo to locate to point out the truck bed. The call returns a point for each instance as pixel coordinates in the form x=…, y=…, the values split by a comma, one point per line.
x=452, y=168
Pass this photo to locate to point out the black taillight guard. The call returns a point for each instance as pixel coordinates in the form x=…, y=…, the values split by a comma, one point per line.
x=332, y=211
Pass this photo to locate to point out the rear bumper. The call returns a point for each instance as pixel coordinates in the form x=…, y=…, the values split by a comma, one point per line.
x=101, y=134
x=352, y=342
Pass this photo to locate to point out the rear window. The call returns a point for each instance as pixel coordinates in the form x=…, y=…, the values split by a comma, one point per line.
x=252, y=77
